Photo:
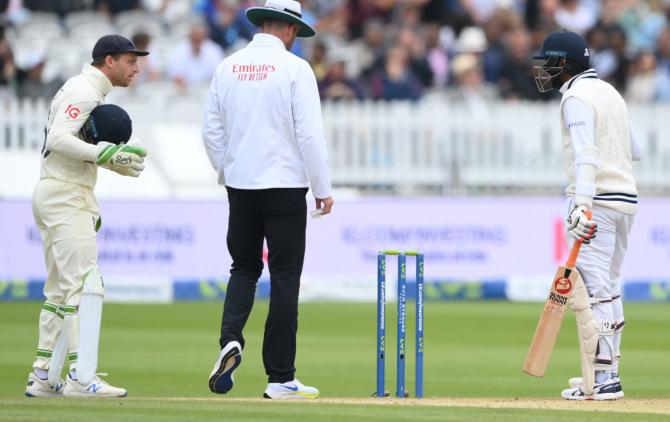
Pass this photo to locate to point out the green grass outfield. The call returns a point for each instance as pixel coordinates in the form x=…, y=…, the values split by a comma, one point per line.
x=163, y=355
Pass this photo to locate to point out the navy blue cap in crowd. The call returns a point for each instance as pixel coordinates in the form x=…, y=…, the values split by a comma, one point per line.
x=565, y=44
x=107, y=123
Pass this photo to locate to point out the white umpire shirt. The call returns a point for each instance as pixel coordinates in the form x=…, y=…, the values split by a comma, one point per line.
x=263, y=126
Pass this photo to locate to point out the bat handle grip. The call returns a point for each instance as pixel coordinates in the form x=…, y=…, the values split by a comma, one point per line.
x=574, y=252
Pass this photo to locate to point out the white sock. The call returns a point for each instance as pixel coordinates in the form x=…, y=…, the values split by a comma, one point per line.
x=73, y=374
x=41, y=373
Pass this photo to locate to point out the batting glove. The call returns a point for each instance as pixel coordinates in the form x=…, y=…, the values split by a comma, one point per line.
x=580, y=226
x=123, y=159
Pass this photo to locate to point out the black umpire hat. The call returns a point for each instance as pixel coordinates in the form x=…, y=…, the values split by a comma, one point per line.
x=114, y=44
x=108, y=123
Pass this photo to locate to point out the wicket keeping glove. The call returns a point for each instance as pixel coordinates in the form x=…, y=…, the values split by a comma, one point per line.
x=580, y=226
x=123, y=159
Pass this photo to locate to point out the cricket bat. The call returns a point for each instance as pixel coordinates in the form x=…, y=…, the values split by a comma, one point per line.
x=551, y=318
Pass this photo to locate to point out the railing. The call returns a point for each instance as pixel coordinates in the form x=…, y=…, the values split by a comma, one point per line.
x=427, y=147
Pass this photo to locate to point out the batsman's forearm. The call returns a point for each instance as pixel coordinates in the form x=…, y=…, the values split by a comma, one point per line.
x=587, y=169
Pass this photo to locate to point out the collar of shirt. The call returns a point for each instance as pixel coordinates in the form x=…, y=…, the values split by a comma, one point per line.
x=266, y=40
x=587, y=74
x=100, y=81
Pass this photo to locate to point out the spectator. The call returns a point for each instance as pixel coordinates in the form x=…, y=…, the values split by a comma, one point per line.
x=169, y=10
x=603, y=59
x=409, y=17
x=416, y=51
x=516, y=78
x=150, y=69
x=396, y=81
x=369, y=51
x=642, y=21
x=575, y=16
x=663, y=49
x=30, y=83
x=332, y=16
x=318, y=60
x=618, y=43
x=7, y=66
x=60, y=7
x=471, y=40
x=337, y=86
x=360, y=11
x=437, y=11
x=194, y=60
x=113, y=7
x=470, y=89
x=226, y=26
x=501, y=23
x=646, y=84
x=479, y=11
x=437, y=57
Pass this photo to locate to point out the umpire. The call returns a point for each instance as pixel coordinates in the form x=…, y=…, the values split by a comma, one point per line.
x=264, y=136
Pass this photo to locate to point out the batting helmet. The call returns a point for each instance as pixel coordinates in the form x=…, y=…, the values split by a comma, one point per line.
x=561, y=51
x=108, y=123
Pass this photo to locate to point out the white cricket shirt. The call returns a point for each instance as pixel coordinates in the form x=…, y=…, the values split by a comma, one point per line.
x=65, y=156
x=263, y=126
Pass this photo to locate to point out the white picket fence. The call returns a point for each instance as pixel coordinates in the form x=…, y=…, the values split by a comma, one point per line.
x=516, y=147
x=409, y=148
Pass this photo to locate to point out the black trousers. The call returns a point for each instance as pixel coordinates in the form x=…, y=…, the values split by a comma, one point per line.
x=279, y=216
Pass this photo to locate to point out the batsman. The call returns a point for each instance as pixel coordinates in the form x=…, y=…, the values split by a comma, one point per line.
x=599, y=147
x=81, y=135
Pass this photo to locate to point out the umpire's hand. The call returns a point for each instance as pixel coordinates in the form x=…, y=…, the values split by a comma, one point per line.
x=325, y=204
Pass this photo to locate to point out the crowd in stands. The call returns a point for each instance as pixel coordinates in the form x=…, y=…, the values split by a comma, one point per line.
x=470, y=51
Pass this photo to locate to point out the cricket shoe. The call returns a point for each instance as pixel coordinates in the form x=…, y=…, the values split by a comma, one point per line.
x=221, y=379
x=41, y=388
x=290, y=390
x=606, y=390
x=578, y=382
x=96, y=388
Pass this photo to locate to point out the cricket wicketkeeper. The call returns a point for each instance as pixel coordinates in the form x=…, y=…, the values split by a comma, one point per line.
x=81, y=135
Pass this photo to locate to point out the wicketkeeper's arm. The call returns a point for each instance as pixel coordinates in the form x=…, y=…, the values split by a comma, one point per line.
x=66, y=124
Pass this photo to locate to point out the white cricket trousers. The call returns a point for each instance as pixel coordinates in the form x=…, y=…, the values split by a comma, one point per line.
x=66, y=215
x=600, y=263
